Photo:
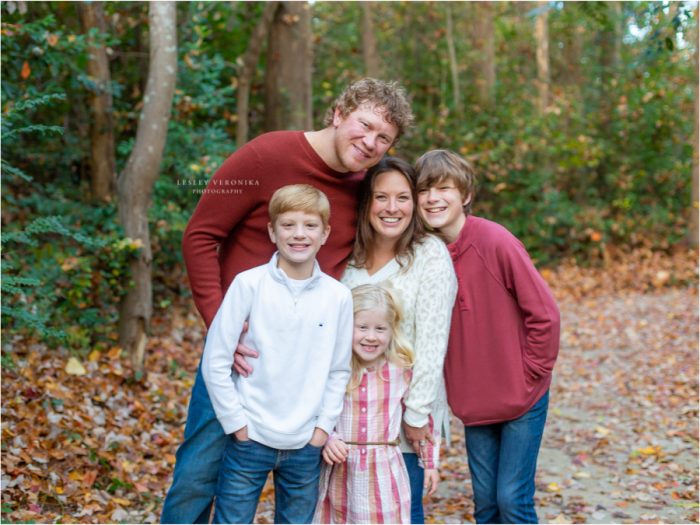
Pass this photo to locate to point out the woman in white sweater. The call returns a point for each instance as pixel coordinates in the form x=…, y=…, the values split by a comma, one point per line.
x=391, y=247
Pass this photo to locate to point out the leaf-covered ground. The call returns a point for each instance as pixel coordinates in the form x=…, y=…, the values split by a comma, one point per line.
x=82, y=442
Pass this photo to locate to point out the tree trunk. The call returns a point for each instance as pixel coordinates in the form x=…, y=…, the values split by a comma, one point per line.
x=693, y=226
x=371, y=58
x=245, y=77
x=484, y=43
x=610, y=37
x=454, y=67
x=572, y=53
x=135, y=184
x=288, y=71
x=619, y=29
x=102, y=163
x=542, y=38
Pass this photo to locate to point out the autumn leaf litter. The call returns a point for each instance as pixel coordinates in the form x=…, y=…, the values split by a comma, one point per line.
x=83, y=442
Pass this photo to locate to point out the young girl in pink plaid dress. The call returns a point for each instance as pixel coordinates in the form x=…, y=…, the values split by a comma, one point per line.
x=364, y=479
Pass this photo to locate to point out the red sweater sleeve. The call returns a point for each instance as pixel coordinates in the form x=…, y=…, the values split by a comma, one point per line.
x=218, y=212
x=537, y=305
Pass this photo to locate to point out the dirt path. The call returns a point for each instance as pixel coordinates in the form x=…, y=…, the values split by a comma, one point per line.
x=621, y=443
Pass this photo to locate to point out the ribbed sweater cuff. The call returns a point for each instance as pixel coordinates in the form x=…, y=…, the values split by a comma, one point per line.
x=414, y=418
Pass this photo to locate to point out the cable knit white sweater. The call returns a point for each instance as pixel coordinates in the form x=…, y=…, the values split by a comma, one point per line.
x=427, y=289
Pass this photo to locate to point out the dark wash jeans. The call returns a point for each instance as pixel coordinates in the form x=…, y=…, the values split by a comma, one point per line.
x=246, y=465
x=416, y=476
x=502, y=461
x=198, y=462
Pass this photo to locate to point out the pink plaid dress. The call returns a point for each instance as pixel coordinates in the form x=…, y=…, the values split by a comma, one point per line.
x=372, y=485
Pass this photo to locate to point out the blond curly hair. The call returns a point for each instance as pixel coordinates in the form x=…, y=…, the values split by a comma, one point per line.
x=389, y=96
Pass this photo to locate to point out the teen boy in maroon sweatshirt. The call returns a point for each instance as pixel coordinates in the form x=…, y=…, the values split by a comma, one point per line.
x=228, y=234
x=504, y=340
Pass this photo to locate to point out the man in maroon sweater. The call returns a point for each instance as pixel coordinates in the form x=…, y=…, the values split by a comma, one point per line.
x=504, y=340
x=228, y=234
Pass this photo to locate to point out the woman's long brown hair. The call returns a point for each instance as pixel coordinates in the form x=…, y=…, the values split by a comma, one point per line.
x=366, y=235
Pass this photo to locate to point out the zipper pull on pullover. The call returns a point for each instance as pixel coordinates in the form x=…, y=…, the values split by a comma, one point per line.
x=295, y=286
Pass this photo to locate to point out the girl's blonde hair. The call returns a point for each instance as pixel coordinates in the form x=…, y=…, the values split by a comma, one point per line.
x=399, y=351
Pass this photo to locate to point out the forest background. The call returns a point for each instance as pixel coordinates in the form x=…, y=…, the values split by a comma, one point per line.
x=580, y=117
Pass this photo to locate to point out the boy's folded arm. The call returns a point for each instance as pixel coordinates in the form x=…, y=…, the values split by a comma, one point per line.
x=217, y=360
x=538, y=306
x=339, y=373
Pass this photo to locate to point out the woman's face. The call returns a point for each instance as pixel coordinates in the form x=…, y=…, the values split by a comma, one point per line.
x=392, y=205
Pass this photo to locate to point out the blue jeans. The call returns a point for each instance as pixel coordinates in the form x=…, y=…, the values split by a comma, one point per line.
x=198, y=460
x=246, y=465
x=416, y=476
x=502, y=461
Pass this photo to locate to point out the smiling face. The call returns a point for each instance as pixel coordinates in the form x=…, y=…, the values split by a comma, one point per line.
x=361, y=138
x=391, y=208
x=371, y=336
x=441, y=206
x=298, y=236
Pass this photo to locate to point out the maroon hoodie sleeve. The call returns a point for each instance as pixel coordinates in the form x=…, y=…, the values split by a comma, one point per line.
x=537, y=305
x=215, y=217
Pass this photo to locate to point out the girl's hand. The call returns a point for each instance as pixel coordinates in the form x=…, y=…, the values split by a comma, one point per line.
x=431, y=481
x=335, y=451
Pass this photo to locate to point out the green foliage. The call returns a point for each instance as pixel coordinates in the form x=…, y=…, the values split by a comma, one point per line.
x=43, y=68
x=61, y=276
x=607, y=164
x=15, y=123
x=61, y=263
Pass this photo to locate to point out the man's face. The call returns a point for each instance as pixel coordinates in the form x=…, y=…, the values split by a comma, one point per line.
x=362, y=138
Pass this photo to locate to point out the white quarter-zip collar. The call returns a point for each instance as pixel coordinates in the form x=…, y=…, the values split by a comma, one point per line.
x=280, y=276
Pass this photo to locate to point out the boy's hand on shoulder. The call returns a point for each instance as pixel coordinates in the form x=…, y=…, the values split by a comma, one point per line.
x=242, y=434
x=335, y=451
x=432, y=478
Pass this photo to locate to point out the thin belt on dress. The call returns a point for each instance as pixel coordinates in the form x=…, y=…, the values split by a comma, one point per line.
x=394, y=443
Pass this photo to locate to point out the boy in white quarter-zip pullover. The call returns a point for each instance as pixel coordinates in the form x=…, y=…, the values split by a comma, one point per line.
x=301, y=324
